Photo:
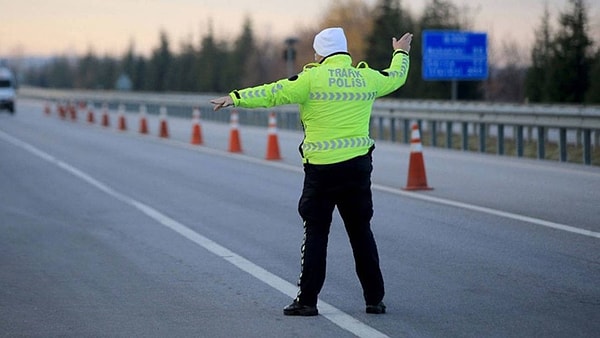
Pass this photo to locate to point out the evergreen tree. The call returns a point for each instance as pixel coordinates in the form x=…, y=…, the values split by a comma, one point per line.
x=128, y=64
x=389, y=20
x=60, y=73
x=86, y=72
x=183, y=69
x=593, y=93
x=270, y=66
x=107, y=73
x=572, y=61
x=159, y=65
x=207, y=62
x=538, y=79
x=241, y=68
x=211, y=63
x=140, y=73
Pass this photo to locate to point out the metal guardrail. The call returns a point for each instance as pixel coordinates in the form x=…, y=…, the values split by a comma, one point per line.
x=582, y=122
x=568, y=123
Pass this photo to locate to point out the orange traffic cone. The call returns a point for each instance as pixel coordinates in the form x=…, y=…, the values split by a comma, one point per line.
x=272, y=142
x=62, y=112
x=105, y=116
x=235, y=145
x=143, y=120
x=47, y=109
x=73, y=112
x=417, y=179
x=81, y=107
x=196, y=129
x=90, y=113
x=164, y=129
x=122, y=120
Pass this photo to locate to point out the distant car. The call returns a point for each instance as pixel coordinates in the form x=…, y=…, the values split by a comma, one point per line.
x=7, y=90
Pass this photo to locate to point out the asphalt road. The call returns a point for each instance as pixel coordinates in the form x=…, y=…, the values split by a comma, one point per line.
x=116, y=234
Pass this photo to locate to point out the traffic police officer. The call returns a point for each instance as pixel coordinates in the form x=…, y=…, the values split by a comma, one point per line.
x=335, y=101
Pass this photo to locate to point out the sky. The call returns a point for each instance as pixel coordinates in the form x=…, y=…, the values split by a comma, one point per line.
x=73, y=27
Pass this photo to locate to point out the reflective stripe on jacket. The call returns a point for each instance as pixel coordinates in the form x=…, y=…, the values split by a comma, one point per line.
x=335, y=101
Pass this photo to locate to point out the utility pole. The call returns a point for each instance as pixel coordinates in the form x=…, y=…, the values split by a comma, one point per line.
x=290, y=55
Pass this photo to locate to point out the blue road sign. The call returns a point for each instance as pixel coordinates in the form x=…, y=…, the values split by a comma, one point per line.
x=454, y=55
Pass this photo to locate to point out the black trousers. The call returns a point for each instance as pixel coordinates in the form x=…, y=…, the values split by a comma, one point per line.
x=346, y=185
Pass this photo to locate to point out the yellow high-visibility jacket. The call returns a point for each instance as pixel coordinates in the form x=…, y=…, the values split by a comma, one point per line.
x=335, y=101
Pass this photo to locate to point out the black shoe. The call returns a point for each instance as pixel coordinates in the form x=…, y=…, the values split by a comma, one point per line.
x=376, y=309
x=297, y=309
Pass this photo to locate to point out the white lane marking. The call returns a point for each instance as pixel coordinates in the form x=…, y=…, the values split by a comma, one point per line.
x=409, y=194
x=328, y=311
x=490, y=211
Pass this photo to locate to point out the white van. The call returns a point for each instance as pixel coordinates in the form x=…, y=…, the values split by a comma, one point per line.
x=7, y=90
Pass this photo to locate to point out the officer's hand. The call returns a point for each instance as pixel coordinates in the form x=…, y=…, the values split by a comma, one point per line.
x=222, y=102
x=403, y=43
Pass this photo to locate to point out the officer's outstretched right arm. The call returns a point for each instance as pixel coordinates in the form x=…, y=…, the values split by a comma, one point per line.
x=395, y=75
x=286, y=91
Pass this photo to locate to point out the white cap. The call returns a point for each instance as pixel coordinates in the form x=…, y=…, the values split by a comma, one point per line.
x=329, y=41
